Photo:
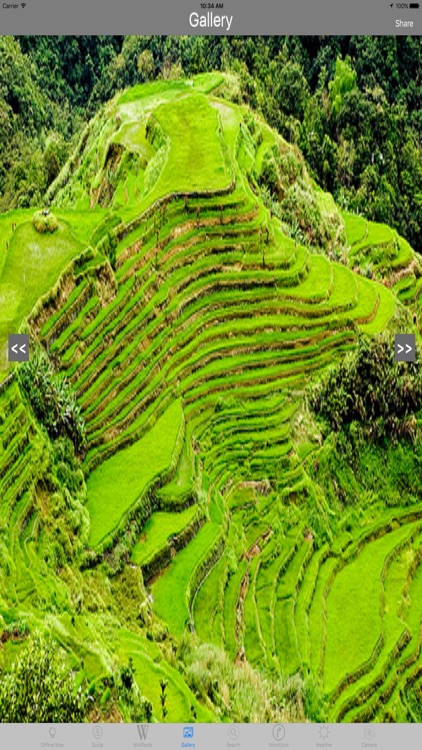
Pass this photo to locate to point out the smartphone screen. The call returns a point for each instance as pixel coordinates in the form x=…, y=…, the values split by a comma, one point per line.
x=210, y=375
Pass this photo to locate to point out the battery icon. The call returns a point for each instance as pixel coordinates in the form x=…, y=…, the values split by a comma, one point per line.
x=414, y=5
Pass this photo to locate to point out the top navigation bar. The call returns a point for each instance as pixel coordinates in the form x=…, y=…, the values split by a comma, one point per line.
x=227, y=17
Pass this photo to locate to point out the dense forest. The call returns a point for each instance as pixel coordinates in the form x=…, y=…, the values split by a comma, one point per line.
x=352, y=105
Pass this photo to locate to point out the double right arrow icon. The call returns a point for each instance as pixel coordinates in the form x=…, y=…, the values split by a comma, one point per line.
x=405, y=347
x=401, y=348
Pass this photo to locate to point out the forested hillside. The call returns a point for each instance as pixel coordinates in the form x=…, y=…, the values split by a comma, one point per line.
x=210, y=495
x=352, y=104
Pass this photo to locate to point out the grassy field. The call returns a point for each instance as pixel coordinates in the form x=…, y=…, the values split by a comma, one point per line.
x=31, y=267
x=170, y=589
x=158, y=530
x=354, y=620
x=197, y=158
x=121, y=481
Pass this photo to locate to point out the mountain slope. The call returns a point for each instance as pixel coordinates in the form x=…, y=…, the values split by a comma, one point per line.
x=189, y=332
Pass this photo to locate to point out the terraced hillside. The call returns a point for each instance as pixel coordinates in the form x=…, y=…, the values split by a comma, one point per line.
x=190, y=330
x=379, y=252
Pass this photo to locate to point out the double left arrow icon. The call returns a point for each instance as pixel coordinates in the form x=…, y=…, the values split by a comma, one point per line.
x=21, y=349
x=18, y=350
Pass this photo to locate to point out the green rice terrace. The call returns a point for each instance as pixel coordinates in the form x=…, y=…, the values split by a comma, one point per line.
x=205, y=527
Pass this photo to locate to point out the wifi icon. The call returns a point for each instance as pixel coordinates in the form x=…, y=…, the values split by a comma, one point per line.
x=23, y=5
